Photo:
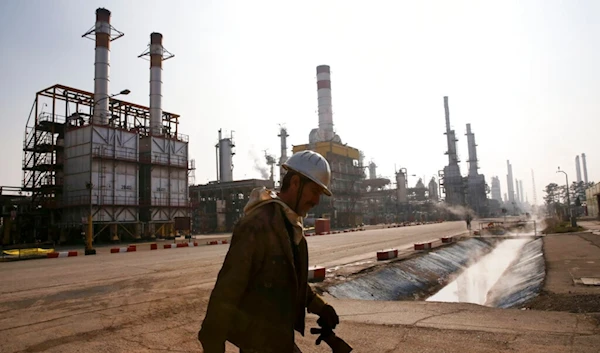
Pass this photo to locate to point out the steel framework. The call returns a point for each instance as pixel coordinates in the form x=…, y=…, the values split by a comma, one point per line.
x=59, y=109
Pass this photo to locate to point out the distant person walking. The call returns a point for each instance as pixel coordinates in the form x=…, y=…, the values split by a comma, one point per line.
x=468, y=220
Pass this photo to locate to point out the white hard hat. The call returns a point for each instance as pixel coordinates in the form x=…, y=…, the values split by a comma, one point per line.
x=313, y=166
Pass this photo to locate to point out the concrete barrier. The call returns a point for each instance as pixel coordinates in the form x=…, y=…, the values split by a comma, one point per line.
x=217, y=242
x=180, y=245
x=387, y=254
x=423, y=246
x=54, y=255
x=124, y=249
x=153, y=246
x=316, y=274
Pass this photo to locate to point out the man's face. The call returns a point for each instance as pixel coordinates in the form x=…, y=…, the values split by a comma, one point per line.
x=310, y=197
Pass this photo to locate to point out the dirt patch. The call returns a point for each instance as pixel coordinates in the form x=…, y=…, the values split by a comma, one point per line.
x=573, y=303
x=554, y=226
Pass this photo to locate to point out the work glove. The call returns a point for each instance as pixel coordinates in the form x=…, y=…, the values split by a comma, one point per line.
x=322, y=332
x=328, y=318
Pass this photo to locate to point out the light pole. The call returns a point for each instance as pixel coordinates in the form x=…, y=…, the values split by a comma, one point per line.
x=573, y=220
x=89, y=239
x=405, y=172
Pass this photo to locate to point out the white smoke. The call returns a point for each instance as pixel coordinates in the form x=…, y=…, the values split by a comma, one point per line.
x=456, y=210
x=259, y=164
x=474, y=284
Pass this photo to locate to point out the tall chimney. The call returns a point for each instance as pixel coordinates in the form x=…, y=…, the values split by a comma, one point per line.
x=472, y=151
x=157, y=54
x=103, y=36
x=509, y=183
x=156, y=59
x=584, y=162
x=450, y=136
x=226, y=154
x=372, y=170
x=522, y=191
x=578, y=169
x=401, y=192
x=324, y=101
x=283, y=135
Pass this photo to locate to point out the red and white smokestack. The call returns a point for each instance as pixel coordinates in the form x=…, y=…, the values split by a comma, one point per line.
x=156, y=58
x=324, y=101
x=102, y=67
x=157, y=52
x=103, y=36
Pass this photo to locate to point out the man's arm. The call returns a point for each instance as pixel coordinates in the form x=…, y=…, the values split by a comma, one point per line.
x=229, y=288
x=316, y=305
x=314, y=302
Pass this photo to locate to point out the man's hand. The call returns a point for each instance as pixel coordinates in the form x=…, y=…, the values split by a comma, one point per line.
x=329, y=317
x=211, y=347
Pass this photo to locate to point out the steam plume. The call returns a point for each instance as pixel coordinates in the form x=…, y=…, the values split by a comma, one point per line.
x=258, y=165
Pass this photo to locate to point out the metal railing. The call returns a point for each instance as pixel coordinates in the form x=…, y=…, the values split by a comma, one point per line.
x=133, y=201
x=104, y=152
x=164, y=202
x=47, y=117
x=96, y=200
x=159, y=158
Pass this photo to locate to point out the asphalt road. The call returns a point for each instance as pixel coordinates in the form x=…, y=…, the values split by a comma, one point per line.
x=149, y=301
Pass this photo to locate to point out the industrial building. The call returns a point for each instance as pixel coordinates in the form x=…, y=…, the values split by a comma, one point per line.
x=451, y=179
x=218, y=205
x=347, y=169
x=592, y=195
x=88, y=155
x=476, y=186
x=470, y=191
x=496, y=189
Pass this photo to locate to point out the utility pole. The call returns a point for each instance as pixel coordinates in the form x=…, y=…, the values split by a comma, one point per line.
x=534, y=190
x=573, y=220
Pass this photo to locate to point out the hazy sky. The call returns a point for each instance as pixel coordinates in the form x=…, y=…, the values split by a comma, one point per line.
x=523, y=73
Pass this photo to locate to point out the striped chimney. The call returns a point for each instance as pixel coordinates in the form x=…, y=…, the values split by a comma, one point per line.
x=102, y=67
x=156, y=58
x=102, y=34
x=157, y=54
x=324, y=101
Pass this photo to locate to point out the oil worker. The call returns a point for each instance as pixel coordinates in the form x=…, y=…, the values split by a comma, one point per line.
x=261, y=294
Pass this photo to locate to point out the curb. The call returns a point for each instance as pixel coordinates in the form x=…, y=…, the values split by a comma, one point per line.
x=217, y=242
x=54, y=255
x=423, y=246
x=179, y=245
x=316, y=274
x=125, y=249
x=387, y=254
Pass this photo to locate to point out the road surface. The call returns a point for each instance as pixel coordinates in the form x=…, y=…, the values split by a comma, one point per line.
x=153, y=301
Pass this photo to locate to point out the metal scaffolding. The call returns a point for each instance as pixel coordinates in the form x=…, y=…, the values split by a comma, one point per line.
x=58, y=111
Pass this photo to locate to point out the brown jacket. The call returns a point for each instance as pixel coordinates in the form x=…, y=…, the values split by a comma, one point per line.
x=258, y=299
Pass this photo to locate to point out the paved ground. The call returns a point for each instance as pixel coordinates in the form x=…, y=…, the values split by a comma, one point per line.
x=570, y=257
x=151, y=301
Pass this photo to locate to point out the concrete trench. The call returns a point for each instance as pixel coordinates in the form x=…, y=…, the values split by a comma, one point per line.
x=498, y=272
